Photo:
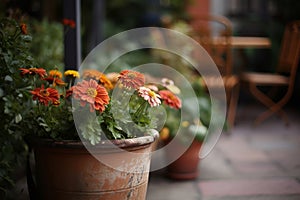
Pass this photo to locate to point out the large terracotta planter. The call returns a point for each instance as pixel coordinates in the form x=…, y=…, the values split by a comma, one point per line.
x=69, y=171
x=186, y=166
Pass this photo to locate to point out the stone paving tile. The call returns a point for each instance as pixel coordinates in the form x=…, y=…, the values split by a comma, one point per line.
x=258, y=169
x=248, y=187
x=236, y=147
x=259, y=197
x=215, y=165
x=252, y=163
x=273, y=142
x=161, y=188
x=247, y=156
x=288, y=161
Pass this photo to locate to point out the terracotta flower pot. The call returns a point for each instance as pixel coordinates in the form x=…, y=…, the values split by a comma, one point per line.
x=186, y=166
x=69, y=171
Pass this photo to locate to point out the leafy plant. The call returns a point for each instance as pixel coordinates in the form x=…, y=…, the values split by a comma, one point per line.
x=103, y=110
x=14, y=53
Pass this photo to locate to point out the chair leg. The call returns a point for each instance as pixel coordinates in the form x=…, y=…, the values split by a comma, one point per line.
x=273, y=108
x=263, y=116
x=232, y=105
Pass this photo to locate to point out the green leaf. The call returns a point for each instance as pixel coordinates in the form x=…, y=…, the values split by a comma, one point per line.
x=8, y=78
x=18, y=118
x=27, y=38
x=91, y=131
x=1, y=92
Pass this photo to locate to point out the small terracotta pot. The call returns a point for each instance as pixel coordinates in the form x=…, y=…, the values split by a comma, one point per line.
x=69, y=171
x=186, y=166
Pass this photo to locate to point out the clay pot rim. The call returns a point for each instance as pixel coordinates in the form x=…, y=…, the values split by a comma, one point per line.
x=76, y=144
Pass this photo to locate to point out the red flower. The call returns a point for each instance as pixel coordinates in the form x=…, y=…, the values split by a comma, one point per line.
x=44, y=96
x=55, y=81
x=132, y=79
x=92, y=93
x=65, y=21
x=69, y=92
x=170, y=99
x=69, y=22
x=23, y=28
x=33, y=71
x=72, y=23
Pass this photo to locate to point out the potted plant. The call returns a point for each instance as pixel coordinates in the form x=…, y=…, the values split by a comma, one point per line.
x=105, y=114
x=91, y=132
x=183, y=139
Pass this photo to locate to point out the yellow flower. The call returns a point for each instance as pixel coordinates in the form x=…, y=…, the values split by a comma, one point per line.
x=185, y=124
x=72, y=73
x=164, y=133
x=55, y=73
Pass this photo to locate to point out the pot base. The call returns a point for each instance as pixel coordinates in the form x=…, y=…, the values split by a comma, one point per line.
x=183, y=176
x=186, y=166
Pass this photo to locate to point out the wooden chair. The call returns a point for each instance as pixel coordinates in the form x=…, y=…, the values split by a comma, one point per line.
x=214, y=34
x=285, y=75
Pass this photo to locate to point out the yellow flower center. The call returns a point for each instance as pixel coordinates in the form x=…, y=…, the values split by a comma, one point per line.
x=131, y=75
x=92, y=92
x=172, y=97
x=33, y=69
x=152, y=94
x=44, y=93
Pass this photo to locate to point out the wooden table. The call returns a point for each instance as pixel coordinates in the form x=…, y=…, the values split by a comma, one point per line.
x=243, y=42
x=240, y=43
x=250, y=42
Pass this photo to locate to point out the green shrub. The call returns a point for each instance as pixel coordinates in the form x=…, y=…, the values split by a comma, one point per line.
x=14, y=53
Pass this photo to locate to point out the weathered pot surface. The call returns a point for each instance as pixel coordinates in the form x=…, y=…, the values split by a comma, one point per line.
x=67, y=170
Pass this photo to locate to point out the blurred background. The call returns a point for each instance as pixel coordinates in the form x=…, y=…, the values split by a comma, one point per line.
x=100, y=19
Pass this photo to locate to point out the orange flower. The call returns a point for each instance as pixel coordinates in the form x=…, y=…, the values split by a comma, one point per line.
x=55, y=73
x=105, y=82
x=55, y=78
x=170, y=99
x=91, y=74
x=132, y=79
x=92, y=93
x=59, y=82
x=96, y=75
x=24, y=29
x=55, y=81
x=33, y=71
x=44, y=96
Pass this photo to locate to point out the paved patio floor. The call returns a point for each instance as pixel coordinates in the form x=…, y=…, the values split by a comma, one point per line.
x=252, y=163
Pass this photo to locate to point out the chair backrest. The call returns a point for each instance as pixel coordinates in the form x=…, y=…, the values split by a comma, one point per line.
x=290, y=50
x=214, y=34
